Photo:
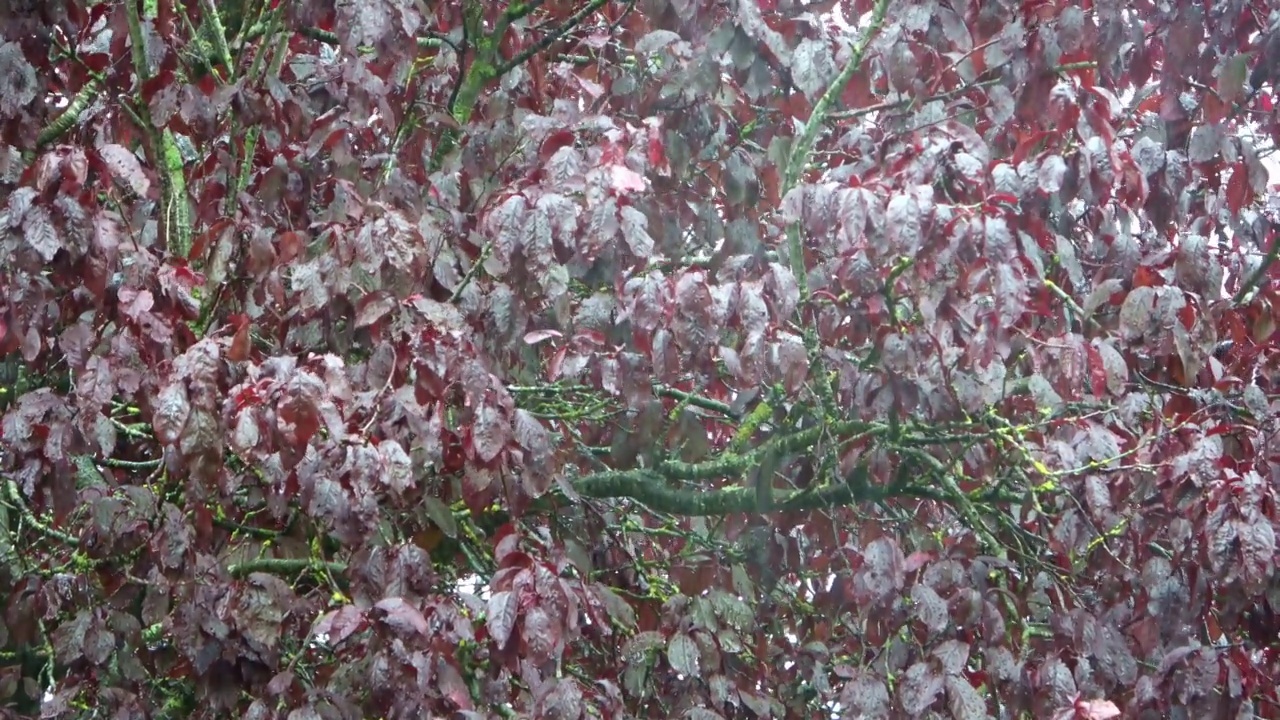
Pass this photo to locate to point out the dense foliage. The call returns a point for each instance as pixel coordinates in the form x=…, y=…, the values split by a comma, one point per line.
x=652, y=359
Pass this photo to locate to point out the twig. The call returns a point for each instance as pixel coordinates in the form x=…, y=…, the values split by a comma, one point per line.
x=471, y=272
x=1258, y=274
x=428, y=39
x=880, y=107
x=11, y=489
x=550, y=37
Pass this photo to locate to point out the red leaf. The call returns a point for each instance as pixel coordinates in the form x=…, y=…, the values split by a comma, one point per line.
x=1097, y=371
x=1096, y=710
x=1239, y=193
x=452, y=685
x=1215, y=110
x=289, y=245
x=238, y=351
x=556, y=140
x=657, y=153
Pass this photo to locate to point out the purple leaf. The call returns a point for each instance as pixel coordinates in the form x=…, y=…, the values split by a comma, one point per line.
x=929, y=608
x=953, y=654
x=919, y=687
x=490, y=432
x=397, y=468
x=1051, y=173
x=635, y=231
x=964, y=702
x=338, y=625
x=903, y=215
x=865, y=695
x=40, y=234
x=170, y=412
x=401, y=617
x=500, y=617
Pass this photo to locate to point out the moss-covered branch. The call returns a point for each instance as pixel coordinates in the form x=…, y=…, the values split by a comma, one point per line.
x=653, y=490
x=71, y=115
x=799, y=156
x=14, y=498
x=660, y=487
x=285, y=566
x=485, y=64
x=175, y=208
x=803, y=146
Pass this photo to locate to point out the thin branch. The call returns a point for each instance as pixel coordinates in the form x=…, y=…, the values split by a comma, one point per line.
x=471, y=272
x=550, y=37
x=809, y=135
x=906, y=102
x=428, y=39
x=15, y=497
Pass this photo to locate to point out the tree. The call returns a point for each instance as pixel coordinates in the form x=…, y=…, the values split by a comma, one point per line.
x=652, y=359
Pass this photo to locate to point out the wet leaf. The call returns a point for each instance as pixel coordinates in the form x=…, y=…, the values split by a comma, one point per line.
x=920, y=686
x=684, y=656
x=126, y=168
x=402, y=617
x=501, y=616
x=490, y=432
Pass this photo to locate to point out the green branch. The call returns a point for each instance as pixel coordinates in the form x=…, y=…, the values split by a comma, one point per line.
x=797, y=160
x=284, y=566
x=487, y=64
x=650, y=488
x=698, y=401
x=516, y=11
x=217, y=33
x=175, y=210
x=1255, y=278
x=804, y=143
x=808, y=136
x=71, y=114
x=15, y=498
x=428, y=40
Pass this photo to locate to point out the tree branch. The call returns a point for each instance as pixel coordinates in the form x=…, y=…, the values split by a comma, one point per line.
x=550, y=37
x=650, y=488
x=15, y=497
x=280, y=566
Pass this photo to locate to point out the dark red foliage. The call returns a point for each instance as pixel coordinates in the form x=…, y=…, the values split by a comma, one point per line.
x=655, y=359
